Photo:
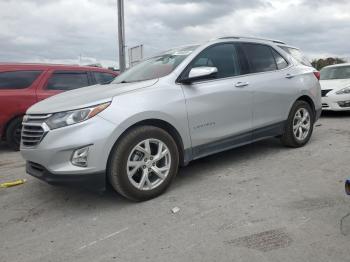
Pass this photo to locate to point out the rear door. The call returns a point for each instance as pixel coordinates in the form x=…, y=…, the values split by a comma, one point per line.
x=59, y=81
x=274, y=88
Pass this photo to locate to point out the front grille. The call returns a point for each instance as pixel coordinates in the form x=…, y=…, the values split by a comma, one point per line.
x=325, y=92
x=34, y=129
x=324, y=105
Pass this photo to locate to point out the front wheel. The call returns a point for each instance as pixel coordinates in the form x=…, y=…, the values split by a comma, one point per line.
x=299, y=126
x=143, y=164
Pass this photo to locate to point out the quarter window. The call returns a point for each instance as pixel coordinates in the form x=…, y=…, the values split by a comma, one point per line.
x=18, y=79
x=280, y=61
x=223, y=57
x=297, y=55
x=260, y=58
x=67, y=80
x=103, y=78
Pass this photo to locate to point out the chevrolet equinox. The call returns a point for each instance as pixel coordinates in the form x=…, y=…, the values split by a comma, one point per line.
x=180, y=105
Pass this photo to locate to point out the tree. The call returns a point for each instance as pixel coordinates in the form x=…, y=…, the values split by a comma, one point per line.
x=320, y=63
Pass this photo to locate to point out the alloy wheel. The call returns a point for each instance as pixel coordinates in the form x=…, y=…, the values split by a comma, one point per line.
x=301, y=124
x=148, y=164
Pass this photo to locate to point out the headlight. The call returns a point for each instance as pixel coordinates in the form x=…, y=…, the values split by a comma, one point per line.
x=345, y=90
x=68, y=118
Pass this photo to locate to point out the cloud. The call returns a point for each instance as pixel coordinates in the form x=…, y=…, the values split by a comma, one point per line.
x=63, y=30
x=179, y=14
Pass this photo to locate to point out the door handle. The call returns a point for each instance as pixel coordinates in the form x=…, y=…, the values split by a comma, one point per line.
x=289, y=76
x=241, y=84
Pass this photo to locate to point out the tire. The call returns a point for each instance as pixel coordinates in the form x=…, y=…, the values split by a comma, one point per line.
x=289, y=138
x=13, y=133
x=137, y=188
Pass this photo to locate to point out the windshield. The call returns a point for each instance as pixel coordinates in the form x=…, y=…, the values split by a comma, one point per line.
x=155, y=67
x=340, y=72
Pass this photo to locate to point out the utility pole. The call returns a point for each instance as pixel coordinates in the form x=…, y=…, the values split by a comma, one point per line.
x=121, y=35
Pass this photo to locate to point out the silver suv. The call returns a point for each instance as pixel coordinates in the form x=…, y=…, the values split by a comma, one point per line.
x=180, y=105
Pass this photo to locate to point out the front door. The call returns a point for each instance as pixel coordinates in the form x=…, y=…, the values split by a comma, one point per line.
x=219, y=109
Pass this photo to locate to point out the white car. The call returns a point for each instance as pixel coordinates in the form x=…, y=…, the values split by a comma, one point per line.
x=335, y=85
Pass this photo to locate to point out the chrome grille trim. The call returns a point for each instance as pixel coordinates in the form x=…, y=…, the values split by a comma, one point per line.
x=34, y=129
x=33, y=117
x=31, y=124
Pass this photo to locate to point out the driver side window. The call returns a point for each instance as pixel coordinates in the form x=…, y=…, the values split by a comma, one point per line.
x=222, y=56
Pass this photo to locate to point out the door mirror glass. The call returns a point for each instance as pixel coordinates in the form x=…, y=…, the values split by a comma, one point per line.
x=200, y=73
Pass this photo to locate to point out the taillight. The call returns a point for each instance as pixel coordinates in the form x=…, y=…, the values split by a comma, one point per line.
x=317, y=75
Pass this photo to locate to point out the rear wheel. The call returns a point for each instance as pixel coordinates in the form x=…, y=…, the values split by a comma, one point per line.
x=13, y=133
x=299, y=126
x=143, y=163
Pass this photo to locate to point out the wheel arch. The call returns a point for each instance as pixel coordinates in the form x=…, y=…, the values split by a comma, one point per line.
x=308, y=100
x=166, y=126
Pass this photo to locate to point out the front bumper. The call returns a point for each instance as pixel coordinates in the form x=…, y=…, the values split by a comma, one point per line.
x=330, y=102
x=94, y=181
x=54, y=153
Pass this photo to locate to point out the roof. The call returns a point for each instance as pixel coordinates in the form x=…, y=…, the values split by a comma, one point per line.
x=251, y=38
x=43, y=66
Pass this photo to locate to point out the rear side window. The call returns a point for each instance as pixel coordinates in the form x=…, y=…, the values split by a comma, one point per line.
x=103, y=78
x=297, y=55
x=280, y=61
x=222, y=56
x=260, y=57
x=18, y=79
x=67, y=81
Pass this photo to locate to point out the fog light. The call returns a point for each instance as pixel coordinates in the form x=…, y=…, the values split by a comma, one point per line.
x=344, y=103
x=80, y=157
x=347, y=187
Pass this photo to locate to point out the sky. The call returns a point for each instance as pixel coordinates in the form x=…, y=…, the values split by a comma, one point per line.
x=85, y=31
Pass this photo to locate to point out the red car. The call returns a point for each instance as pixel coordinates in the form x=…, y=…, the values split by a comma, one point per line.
x=22, y=85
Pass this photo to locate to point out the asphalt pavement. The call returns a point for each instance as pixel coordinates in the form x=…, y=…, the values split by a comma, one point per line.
x=261, y=202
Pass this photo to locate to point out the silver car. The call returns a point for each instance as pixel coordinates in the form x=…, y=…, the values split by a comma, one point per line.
x=175, y=107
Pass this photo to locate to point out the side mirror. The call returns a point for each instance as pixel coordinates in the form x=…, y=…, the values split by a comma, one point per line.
x=200, y=73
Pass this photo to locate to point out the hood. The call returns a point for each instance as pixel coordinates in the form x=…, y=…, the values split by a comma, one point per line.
x=334, y=84
x=86, y=96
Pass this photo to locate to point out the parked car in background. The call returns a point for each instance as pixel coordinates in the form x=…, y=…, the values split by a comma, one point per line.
x=347, y=186
x=22, y=85
x=335, y=85
x=180, y=105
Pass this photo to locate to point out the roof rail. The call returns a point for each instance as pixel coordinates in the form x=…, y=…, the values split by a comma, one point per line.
x=253, y=38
